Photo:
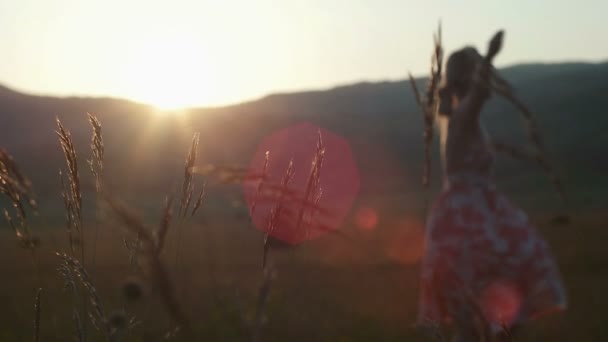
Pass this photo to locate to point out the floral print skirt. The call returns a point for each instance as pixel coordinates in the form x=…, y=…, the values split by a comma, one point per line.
x=483, y=254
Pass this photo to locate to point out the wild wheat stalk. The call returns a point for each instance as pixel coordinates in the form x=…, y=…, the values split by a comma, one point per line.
x=37, y=309
x=165, y=222
x=70, y=284
x=429, y=103
x=73, y=191
x=262, y=302
x=72, y=267
x=98, y=149
x=258, y=188
x=199, y=199
x=14, y=185
x=69, y=212
x=96, y=166
x=17, y=189
x=275, y=213
x=312, y=191
x=78, y=329
x=188, y=184
x=187, y=190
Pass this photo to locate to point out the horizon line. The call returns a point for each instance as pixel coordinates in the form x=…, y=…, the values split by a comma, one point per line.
x=280, y=92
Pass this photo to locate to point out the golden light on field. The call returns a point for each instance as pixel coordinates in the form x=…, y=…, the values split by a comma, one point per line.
x=171, y=72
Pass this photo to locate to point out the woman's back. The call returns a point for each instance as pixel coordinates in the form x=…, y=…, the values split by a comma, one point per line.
x=466, y=150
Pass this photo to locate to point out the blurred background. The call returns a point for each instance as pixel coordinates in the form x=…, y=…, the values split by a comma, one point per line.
x=241, y=72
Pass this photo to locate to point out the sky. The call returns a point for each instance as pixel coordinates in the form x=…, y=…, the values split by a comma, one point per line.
x=209, y=53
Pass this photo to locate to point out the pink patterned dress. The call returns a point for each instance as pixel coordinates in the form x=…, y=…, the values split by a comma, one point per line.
x=482, y=253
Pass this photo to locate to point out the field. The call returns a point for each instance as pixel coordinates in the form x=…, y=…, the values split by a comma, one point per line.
x=147, y=271
x=332, y=289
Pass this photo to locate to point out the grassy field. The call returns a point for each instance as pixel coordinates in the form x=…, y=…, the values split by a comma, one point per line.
x=205, y=273
x=332, y=289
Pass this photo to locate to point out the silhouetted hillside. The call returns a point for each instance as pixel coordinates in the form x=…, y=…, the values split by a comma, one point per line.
x=145, y=150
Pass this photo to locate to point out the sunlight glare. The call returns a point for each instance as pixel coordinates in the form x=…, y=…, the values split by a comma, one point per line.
x=170, y=72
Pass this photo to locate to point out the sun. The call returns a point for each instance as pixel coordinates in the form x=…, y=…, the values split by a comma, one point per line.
x=170, y=73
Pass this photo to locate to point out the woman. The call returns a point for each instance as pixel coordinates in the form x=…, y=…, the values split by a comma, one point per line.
x=484, y=260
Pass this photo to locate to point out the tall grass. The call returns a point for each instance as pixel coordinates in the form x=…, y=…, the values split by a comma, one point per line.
x=37, y=309
x=71, y=191
x=96, y=167
x=187, y=193
x=16, y=188
x=150, y=258
x=72, y=269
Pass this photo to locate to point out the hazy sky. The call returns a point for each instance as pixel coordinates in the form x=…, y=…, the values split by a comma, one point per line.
x=180, y=52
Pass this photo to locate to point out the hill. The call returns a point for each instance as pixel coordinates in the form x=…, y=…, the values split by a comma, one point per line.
x=145, y=150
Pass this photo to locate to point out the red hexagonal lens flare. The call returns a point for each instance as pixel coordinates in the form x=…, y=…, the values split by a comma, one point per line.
x=301, y=183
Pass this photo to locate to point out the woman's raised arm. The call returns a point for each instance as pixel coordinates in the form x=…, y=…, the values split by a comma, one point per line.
x=479, y=91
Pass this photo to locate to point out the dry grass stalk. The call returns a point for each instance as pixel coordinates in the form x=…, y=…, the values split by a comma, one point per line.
x=429, y=103
x=258, y=188
x=187, y=191
x=275, y=213
x=165, y=222
x=153, y=268
x=188, y=201
x=188, y=184
x=71, y=267
x=17, y=189
x=96, y=166
x=69, y=151
x=14, y=185
x=271, y=192
x=313, y=191
x=133, y=246
x=69, y=212
x=72, y=192
x=262, y=302
x=70, y=285
x=37, y=309
x=78, y=330
x=285, y=198
x=97, y=147
x=25, y=239
x=199, y=199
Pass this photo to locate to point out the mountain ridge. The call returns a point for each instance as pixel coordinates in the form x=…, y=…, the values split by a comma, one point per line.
x=517, y=67
x=380, y=120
